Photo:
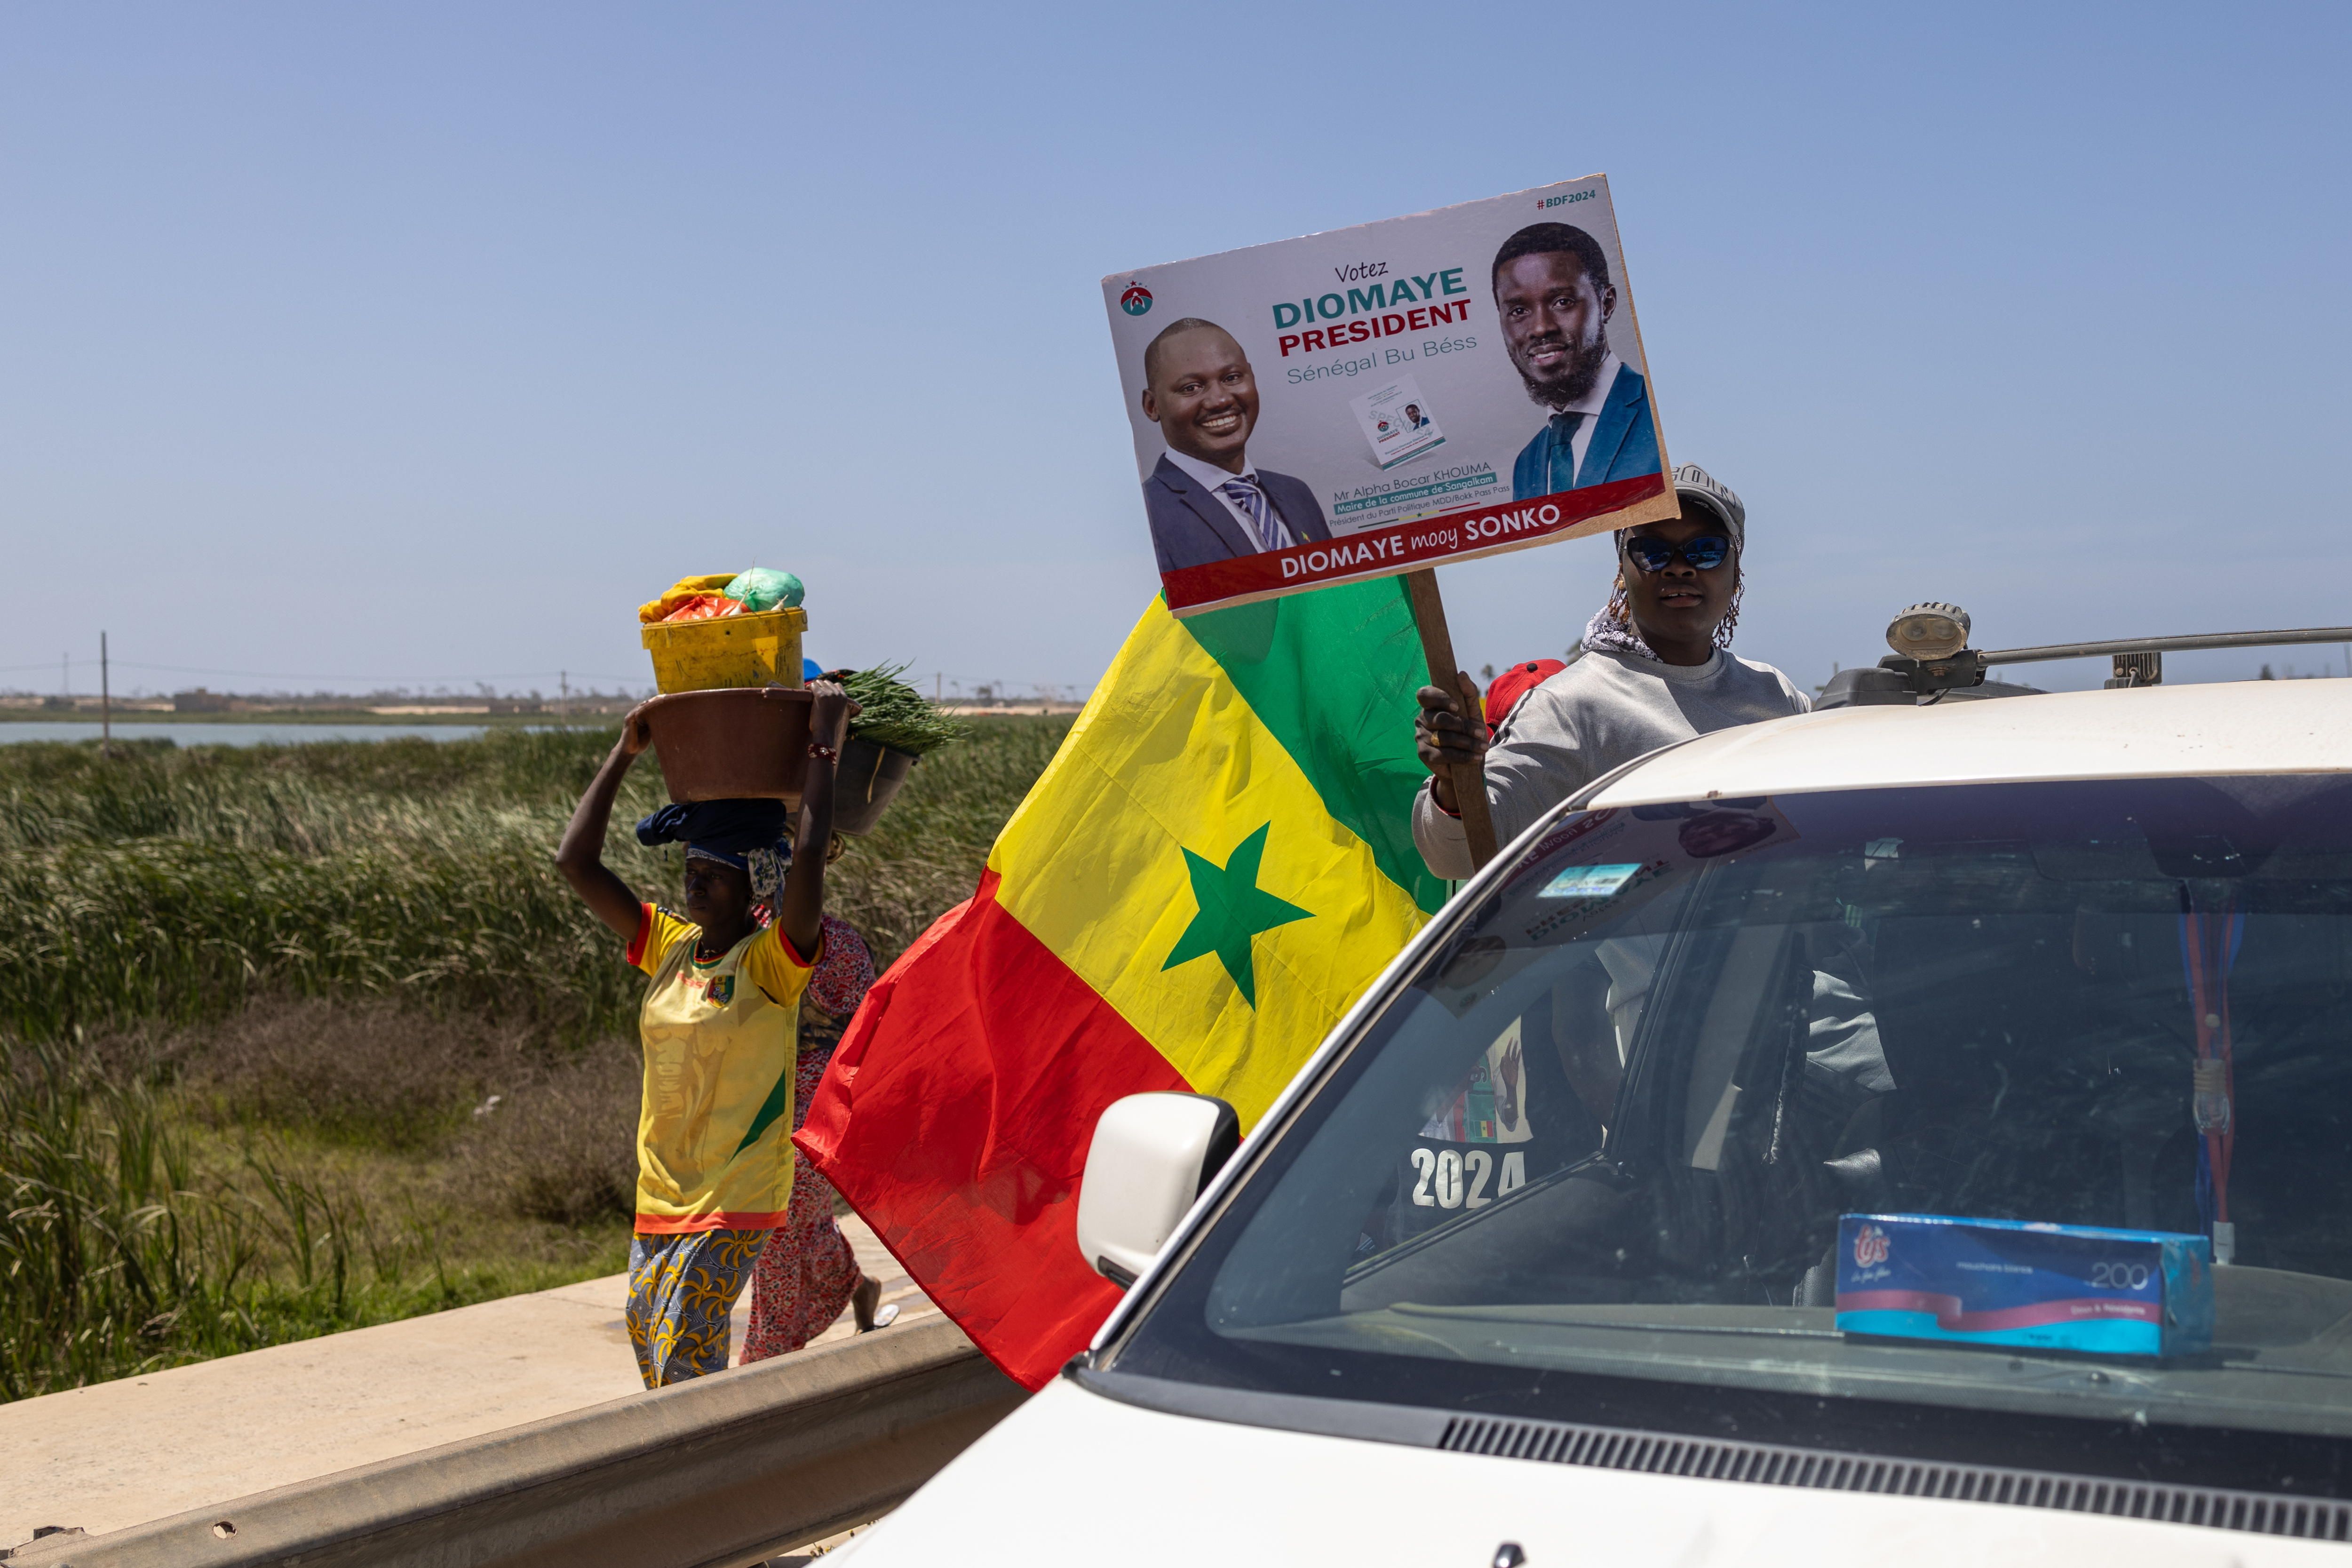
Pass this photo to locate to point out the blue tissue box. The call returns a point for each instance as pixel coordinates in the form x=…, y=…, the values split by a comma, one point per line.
x=2014, y=1282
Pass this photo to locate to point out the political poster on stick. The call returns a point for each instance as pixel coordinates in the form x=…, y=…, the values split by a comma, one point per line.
x=1384, y=398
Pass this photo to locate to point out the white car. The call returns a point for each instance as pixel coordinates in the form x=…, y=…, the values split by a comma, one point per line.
x=1538, y=1258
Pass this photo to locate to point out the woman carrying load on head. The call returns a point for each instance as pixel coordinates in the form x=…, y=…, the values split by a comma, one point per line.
x=807, y=1273
x=719, y=1027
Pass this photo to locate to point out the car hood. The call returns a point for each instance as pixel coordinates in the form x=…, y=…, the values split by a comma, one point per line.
x=1075, y=1478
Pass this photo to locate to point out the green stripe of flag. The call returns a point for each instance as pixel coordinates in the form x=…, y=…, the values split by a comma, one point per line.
x=1332, y=674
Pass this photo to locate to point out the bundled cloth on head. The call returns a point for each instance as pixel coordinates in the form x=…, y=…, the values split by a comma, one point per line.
x=1612, y=628
x=752, y=836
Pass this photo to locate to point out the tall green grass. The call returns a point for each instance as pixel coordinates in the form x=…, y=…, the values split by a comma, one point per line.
x=193, y=1193
x=119, y=1254
x=176, y=884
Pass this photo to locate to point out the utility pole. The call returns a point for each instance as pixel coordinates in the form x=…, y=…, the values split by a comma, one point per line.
x=105, y=703
x=563, y=701
x=936, y=679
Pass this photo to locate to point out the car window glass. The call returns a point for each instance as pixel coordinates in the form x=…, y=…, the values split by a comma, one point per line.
x=1616, y=1122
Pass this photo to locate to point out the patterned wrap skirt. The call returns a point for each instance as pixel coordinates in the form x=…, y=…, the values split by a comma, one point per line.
x=803, y=1277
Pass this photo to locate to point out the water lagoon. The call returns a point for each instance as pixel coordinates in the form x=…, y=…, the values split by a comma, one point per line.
x=210, y=734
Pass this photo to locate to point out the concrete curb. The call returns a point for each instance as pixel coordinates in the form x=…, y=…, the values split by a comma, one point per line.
x=718, y=1472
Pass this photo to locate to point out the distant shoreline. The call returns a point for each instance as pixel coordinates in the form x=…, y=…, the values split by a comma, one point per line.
x=314, y=716
x=476, y=718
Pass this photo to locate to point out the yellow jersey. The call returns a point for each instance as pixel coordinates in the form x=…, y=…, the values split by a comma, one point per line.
x=720, y=1039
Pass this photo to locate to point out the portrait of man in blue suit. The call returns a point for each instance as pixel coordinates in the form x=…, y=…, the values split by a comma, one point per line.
x=1554, y=297
x=1205, y=500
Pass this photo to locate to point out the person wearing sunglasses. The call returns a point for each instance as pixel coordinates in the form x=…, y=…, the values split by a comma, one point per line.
x=1655, y=668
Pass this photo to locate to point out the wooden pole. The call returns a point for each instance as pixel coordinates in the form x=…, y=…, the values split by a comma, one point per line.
x=105, y=703
x=1469, y=779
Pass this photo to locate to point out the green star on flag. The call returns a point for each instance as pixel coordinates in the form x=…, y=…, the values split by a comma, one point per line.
x=1234, y=909
x=1294, y=713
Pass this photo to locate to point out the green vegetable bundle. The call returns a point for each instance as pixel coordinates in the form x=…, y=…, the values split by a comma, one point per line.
x=896, y=714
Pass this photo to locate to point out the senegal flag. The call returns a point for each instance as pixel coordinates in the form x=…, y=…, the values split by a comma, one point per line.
x=1212, y=869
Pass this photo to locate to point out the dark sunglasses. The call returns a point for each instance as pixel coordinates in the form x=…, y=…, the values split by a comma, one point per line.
x=1652, y=554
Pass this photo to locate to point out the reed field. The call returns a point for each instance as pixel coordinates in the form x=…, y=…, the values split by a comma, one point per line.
x=296, y=1039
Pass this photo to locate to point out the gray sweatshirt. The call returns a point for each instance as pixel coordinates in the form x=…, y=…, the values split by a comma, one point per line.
x=1604, y=710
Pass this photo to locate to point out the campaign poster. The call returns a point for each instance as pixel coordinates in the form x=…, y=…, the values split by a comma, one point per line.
x=1386, y=397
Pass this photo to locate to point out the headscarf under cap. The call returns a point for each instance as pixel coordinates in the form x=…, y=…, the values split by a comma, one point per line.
x=752, y=836
x=1604, y=633
x=764, y=867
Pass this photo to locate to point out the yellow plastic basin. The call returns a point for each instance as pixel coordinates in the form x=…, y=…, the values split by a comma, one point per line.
x=733, y=650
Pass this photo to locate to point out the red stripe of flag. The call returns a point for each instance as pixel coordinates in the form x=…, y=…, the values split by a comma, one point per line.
x=955, y=1119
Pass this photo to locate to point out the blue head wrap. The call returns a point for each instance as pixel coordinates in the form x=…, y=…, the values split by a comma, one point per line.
x=752, y=836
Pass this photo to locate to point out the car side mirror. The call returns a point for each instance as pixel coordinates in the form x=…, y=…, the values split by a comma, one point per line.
x=1152, y=1156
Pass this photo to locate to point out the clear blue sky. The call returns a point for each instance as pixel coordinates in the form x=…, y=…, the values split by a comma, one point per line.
x=419, y=342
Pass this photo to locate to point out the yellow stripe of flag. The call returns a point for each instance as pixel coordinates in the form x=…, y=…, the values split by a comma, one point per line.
x=1173, y=826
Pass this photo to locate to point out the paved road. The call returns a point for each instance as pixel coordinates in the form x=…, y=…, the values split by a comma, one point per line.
x=119, y=1454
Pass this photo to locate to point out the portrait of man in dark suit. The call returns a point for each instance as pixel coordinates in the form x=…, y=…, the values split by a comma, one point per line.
x=1554, y=297
x=1206, y=502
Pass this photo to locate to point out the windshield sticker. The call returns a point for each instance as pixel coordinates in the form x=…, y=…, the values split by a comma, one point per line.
x=1670, y=840
x=1589, y=881
x=1584, y=824
x=1575, y=907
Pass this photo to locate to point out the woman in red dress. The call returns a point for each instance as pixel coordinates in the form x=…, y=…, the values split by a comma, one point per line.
x=806, y=1273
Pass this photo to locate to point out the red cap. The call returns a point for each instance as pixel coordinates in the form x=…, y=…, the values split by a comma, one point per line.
x=1514, y=683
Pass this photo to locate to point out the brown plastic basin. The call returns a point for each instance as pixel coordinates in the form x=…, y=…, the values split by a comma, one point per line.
x=737, y=743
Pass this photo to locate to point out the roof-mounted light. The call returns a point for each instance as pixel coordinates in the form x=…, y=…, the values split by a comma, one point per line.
x=1931, y=656
x=1932, y=659
x=1929, y=631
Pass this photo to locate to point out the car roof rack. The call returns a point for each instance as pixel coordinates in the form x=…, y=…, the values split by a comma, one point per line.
x=2126, y=646
x=1942, y=675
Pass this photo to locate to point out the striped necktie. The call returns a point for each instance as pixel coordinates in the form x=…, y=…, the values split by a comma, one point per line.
x=1264, y=520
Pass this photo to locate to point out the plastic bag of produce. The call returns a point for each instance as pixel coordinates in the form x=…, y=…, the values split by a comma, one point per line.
x=682, y=590
x=705, y=607
x=764, y=588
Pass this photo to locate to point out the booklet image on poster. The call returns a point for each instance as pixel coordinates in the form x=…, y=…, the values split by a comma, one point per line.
x=1388, y=397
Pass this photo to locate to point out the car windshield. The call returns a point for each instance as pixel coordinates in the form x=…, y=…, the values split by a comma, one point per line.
x=1612, y=1125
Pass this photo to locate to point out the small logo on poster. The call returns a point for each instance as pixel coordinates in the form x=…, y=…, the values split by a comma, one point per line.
x=1136, y=300
x=1869, y=1247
